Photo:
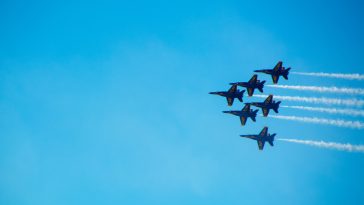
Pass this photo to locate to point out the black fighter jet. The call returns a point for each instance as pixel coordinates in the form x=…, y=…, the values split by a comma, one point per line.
x=244, y=114
x=268, y=104
x=262, y=137
x=277, y=71
x=251, y=85
x=231, y=94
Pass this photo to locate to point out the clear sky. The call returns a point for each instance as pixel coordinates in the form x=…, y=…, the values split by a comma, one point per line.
x=106, y=102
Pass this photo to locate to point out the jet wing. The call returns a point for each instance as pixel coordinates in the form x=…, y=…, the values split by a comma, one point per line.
x=260, y=144
x=275, y=78
x=278, y=66
x=250, y=91
x=246, y=108
x=230, y=101
x=268, y=100
x=264, y=132
x=253, y=79
x=243, y=120
x=233, y=88
x=265, y=112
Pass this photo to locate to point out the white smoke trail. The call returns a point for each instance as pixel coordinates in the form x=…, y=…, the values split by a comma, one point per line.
x=315, y=120
x=330, y=145
x=333, y=89
x=354, y=76
x=350, y=112
x=322, y=100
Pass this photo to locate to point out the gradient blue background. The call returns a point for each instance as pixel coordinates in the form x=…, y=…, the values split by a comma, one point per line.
x=106, y=102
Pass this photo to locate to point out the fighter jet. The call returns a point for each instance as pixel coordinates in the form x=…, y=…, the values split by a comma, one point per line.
x=231, y=94
x=244, y=114
x=262, y=137
x=251, y=85
x=268, y=104
x=277, y=71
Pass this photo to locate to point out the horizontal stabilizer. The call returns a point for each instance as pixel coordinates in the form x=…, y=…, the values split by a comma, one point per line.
x=260, y=86
x=270, y=141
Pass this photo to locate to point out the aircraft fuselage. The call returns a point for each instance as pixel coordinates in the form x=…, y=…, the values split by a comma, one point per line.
x=240, y=113
x=227, y=94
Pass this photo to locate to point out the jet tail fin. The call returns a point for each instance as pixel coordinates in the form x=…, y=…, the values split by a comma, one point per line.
x=260, y=86
x=276, y=107
x=241, y=94
x=254, y=115
x=240, y=98
x=270, y=141
x=285, y=74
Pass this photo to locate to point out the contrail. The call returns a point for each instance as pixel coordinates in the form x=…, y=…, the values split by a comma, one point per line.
x=321, y=89
x=330, y=145
x=353, y=76
x=322, y=100
x=350, y=112
x=315, y=120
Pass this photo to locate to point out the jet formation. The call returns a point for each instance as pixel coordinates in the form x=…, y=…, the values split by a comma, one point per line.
x=267, y=105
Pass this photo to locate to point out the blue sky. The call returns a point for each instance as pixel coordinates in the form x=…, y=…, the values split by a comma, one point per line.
x=106, y=102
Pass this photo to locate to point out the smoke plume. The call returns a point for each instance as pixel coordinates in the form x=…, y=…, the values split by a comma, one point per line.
x=353, y=76
x=329, y=145
x=321, y=100
x=333, y=89
x=350, y=112
x=315, y=120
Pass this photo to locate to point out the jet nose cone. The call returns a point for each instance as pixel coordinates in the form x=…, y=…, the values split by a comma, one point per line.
x=232, y=83
x=225, y=111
